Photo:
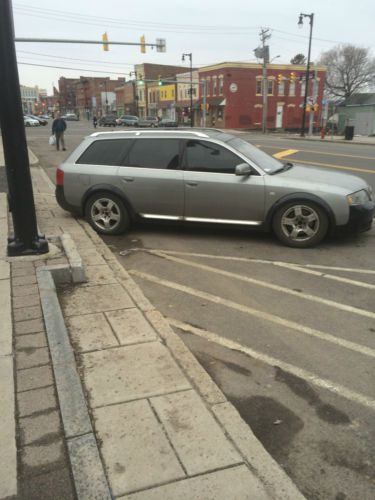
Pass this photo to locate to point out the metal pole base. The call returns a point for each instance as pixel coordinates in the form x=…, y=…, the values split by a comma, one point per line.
x=17, y=248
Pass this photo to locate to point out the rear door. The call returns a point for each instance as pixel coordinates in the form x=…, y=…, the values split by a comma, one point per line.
x=213, y=193
x=152, y=179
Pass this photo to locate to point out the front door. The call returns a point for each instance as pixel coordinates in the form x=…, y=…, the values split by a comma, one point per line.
x=213, y=193
x=279, y=116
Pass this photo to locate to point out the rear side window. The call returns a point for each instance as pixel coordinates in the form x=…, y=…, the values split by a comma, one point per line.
x=155, y=153
x=108, y=152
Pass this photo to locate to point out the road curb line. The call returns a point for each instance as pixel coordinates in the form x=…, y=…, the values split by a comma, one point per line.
x=88, y=472
x=8, y=478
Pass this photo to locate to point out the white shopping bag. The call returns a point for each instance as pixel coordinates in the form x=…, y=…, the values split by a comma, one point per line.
x=52, y=140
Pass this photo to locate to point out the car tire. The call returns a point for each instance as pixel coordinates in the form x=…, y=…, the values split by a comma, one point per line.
x=300, y=224
x=107, y=214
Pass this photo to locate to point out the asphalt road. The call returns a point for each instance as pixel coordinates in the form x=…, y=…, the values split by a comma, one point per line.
x=288, y=334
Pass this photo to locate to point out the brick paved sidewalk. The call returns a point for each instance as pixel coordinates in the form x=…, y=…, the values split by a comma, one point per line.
x=163, y=428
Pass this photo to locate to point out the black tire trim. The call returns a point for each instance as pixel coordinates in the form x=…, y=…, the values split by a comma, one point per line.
x=301, y=197
x=108, y=188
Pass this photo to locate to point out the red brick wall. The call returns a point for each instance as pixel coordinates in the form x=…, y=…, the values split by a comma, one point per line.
x=240, y=110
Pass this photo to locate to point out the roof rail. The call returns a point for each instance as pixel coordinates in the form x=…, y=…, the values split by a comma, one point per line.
x=153, y=132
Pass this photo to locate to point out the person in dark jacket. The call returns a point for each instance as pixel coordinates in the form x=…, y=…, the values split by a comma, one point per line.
x=58, y=129
x=95, y=121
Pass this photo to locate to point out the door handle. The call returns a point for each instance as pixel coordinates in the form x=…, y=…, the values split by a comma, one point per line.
x=192, y=184
x=128, y=179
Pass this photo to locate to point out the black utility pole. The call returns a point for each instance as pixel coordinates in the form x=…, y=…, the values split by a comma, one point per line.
x=190, y=56
x=26, y=240
x=307, y=77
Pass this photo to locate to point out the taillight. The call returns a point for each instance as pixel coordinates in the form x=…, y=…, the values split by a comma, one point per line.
x=59, y=177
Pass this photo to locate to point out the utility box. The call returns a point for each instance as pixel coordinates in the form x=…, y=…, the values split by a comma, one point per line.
x=349, y=132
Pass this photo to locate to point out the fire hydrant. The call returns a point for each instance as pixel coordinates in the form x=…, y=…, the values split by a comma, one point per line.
x=322, y=132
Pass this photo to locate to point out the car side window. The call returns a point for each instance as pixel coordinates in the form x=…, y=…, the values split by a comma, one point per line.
x=105, y=152
x=203, y=156
x=155, y=153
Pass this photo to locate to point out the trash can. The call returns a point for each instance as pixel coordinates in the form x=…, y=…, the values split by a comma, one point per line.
x=349, y=133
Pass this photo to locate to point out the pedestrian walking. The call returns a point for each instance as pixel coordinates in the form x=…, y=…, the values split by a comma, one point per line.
x=58, y=129
x=95, y=121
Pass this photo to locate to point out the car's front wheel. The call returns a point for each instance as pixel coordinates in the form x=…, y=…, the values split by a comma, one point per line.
x=300, y=224
x=107, y=214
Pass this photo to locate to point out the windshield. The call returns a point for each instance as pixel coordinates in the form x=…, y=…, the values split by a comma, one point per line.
x=260, y=158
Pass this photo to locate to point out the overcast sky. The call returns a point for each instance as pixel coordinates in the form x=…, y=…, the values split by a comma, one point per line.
x=214, y=31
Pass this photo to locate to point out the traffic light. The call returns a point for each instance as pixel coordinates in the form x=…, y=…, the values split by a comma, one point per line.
x=160, y=82
x=140, y=80
x=316, y=107
x=143, y=46
x=280, y=78
x=105, y=41
x=293, y=77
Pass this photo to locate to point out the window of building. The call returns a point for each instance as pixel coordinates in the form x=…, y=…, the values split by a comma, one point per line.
x=221, y=85
x=292, y=89
x=155, y=153
x=202, y=156
x=281, y=88
x=109, y=152
x=208, y=86
x=303, y=88
x=270, y=87
x=214, y=86
x=259, y=87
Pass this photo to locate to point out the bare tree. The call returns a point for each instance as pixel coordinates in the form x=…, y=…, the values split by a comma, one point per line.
x=298, y=59
x=350, y=69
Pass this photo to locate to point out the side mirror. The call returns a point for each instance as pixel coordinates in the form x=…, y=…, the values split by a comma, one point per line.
x=242, y=169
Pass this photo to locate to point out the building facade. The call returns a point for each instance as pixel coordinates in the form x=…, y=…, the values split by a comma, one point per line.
x=147, y=75
x=358, y=111
x=235, y=99
x=183, y=101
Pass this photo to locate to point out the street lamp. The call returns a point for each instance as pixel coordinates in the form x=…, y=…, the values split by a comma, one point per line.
x=300, y=24
x=190, y=56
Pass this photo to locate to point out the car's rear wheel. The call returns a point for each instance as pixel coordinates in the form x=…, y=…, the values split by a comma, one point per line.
x=300, y=224
x=107, y=214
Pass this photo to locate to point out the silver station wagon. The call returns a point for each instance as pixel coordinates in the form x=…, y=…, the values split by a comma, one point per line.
x=206, y=176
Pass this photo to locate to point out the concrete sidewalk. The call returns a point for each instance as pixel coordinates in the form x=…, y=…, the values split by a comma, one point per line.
x=109, y=401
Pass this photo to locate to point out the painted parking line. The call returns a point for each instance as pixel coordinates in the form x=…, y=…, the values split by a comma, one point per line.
x=323, y=153
x=270, y=286
x=279, y=321
x=284, y=153
x=302, y=268
x=338, y=389
x=339, y=167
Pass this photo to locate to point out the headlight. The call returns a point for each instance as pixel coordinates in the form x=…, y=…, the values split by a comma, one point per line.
x=358, y=198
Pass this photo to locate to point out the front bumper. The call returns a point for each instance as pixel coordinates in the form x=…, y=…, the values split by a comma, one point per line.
x=360, y=218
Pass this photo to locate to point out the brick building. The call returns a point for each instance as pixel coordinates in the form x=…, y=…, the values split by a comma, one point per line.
x=96, y=95
x=126, y=102
x=235, y=100
x=147, y=75
x=67, y=92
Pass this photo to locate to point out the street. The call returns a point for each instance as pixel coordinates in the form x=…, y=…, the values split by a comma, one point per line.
x=287, y=334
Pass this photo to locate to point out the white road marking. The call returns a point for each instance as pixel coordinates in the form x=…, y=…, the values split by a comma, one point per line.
x=271, y=286
x=295, y=267
x=367, y=351
x=295, y=370
x=344, y=269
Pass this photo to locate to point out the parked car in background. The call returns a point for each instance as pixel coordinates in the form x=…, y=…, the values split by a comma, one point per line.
x=70, y=117
x=208, y=177
x=107, y=121
x=128, y=121
x=167, y=122
x=149, y=121
x=30, y=122
x=45, y=117
x=42, y=121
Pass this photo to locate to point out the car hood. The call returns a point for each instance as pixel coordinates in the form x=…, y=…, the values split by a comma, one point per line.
x=315, y=177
